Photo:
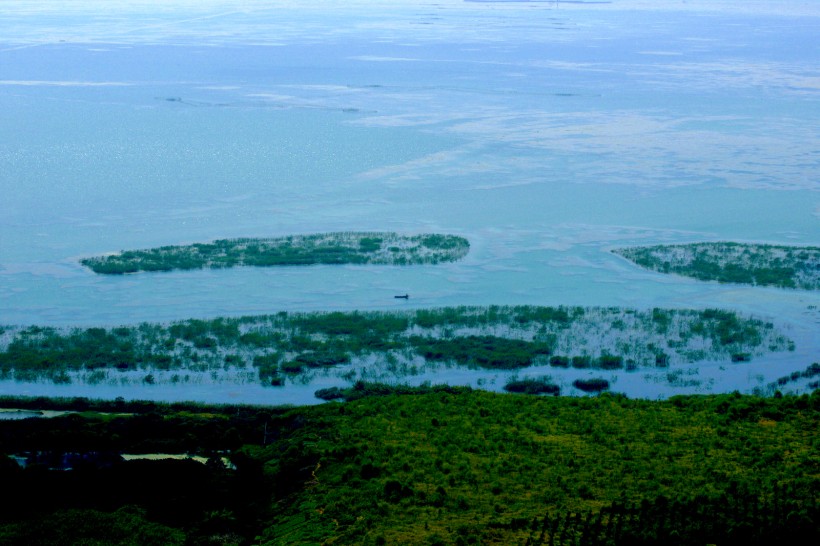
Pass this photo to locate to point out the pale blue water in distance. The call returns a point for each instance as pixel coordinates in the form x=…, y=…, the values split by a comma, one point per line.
x=545, y=134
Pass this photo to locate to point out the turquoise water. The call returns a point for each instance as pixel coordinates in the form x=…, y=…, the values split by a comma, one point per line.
x=546, y=135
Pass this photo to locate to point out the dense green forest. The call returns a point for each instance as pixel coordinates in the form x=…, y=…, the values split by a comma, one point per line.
x=323, y=248
x=438, y=465
x=756, y=264
x=276, y=349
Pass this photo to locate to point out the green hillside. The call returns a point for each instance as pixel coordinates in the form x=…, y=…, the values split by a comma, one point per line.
x=451, y=466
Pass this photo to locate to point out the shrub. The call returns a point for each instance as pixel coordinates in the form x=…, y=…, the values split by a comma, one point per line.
x=591, y=385
x=533, y=386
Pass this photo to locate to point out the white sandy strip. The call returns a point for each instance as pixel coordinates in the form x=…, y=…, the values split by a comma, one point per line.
x=174, y=456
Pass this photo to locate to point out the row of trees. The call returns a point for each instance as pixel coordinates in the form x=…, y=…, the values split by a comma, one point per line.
x=736, y=516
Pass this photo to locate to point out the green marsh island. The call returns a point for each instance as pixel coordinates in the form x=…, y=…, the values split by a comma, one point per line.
x=377, y=248
x=385, y=346
x=756, y=264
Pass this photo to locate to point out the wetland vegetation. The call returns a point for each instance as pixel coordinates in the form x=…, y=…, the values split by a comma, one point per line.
x=288, y=347
x=437, y=465
x=381, y=248
x=755, y=264
x=796, y=376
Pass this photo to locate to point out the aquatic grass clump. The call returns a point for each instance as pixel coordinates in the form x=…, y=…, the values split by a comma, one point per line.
x=533, y=385
x=595, y=384
x=726, y=262
x=809, y=373
x=490, y=352
x=377, y=248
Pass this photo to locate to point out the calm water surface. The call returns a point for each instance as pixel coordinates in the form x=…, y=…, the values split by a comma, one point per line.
x=546, y=135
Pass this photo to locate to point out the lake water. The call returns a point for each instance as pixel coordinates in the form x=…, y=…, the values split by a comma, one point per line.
x=546, y=133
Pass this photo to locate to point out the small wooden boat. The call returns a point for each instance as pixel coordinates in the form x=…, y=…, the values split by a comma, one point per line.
x=404, y=297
